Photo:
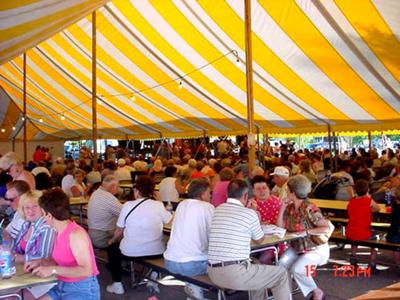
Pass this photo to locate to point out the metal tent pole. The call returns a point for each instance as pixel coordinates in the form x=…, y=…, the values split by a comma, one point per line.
x=249, y=85
x=330, y=145
x=24, y=109
x=94, y=87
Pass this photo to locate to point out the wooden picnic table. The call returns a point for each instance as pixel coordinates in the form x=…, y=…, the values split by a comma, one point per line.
x=22, y=280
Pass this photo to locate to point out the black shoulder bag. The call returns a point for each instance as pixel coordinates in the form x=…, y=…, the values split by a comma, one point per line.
x=134, y=209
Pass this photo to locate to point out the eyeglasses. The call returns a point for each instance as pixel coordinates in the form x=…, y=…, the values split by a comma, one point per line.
x=10, y=199
x=9, y=168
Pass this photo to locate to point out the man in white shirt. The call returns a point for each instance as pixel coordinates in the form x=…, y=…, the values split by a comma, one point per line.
x=233, y=227
x=124, y=171
x=186, y=252
x=68, y=180
x=40, y=169
x=281, y=177
x=345, y=187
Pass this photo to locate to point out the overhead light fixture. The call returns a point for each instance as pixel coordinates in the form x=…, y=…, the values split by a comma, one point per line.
x=237, y=60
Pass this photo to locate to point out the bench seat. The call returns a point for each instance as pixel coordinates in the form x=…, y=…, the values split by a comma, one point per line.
x=203, y=281
x=377, y=225
x=339, y=238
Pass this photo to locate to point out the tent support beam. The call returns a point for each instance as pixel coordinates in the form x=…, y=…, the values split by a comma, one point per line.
x=94, y=87
x=24, y=108
x=249, y=85
x=330, y=145
x=369, y=142
x=335, y=150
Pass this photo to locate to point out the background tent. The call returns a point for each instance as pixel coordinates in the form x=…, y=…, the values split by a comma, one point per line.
x=169, y=68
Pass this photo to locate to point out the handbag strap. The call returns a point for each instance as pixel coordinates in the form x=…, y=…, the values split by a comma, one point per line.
x=134, y=209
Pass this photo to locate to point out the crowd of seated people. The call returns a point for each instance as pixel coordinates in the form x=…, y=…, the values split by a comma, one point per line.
x=134, y=229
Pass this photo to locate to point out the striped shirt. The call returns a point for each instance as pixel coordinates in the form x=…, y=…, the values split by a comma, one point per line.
x=40, y=243
x=232, y=229
x=103, y=210
x=15, y=225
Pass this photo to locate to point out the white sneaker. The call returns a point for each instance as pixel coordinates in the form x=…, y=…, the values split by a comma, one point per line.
x=153, y=288
x=116, y=288
x=194, y=292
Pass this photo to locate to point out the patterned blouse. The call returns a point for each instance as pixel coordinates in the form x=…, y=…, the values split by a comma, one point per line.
x=40, y=243
x=304, y=218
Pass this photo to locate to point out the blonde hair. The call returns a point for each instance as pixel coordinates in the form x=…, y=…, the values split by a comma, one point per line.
x=29, y=196
x=79, y=172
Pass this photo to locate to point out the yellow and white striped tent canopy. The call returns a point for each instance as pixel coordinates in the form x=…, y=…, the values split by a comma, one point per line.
x=169, y=68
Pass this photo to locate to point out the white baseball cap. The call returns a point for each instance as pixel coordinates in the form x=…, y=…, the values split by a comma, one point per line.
x=281, y=171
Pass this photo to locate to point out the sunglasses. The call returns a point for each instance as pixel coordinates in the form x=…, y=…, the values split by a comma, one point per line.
x=10, y=199
x=9, y=168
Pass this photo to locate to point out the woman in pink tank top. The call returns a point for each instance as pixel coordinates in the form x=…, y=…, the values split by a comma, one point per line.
x=73, y=260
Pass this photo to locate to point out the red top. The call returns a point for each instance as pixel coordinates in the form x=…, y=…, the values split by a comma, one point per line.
x=269, y=209
x=197, y=174
x=220, y=193
x=360, y=217
x=38, y=155
x=23, y=244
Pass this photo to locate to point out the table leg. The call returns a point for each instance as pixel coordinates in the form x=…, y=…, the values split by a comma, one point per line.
x=81, y=214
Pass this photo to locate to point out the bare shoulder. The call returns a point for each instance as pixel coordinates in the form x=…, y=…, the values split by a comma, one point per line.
x=78, y=235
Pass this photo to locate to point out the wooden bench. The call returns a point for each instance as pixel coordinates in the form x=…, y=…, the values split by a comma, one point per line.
x=339, y=238
x=202, y=281
x=375, y=225
x=388, y=292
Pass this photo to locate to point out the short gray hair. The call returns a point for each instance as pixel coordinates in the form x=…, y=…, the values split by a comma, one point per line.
x=197, y=187
x=300, y=186
x=108, y=181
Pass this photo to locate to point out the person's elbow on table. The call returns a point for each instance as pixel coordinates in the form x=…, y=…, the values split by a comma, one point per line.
x=259, y=241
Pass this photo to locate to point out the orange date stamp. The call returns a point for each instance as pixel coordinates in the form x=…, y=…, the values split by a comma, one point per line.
x=345, y=271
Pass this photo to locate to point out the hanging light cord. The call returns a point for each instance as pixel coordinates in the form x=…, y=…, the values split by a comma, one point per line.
x=234, y=52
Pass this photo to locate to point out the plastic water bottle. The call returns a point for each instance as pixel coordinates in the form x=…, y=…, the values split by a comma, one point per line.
x=388, y=197
x=328, y=174
x=169, y=207
x=388, y=201
x=7, y=268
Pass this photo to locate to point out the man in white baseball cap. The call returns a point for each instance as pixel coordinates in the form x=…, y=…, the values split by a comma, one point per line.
x=281, y=177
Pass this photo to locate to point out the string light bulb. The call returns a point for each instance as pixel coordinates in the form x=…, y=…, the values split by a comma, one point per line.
x=23, y=118
x=99, y=102
x=133, y=97
x=62, y=117
x=3, y=130
x=180, y=85
x=237, y=60
x=41, y=120
x=13, y=128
